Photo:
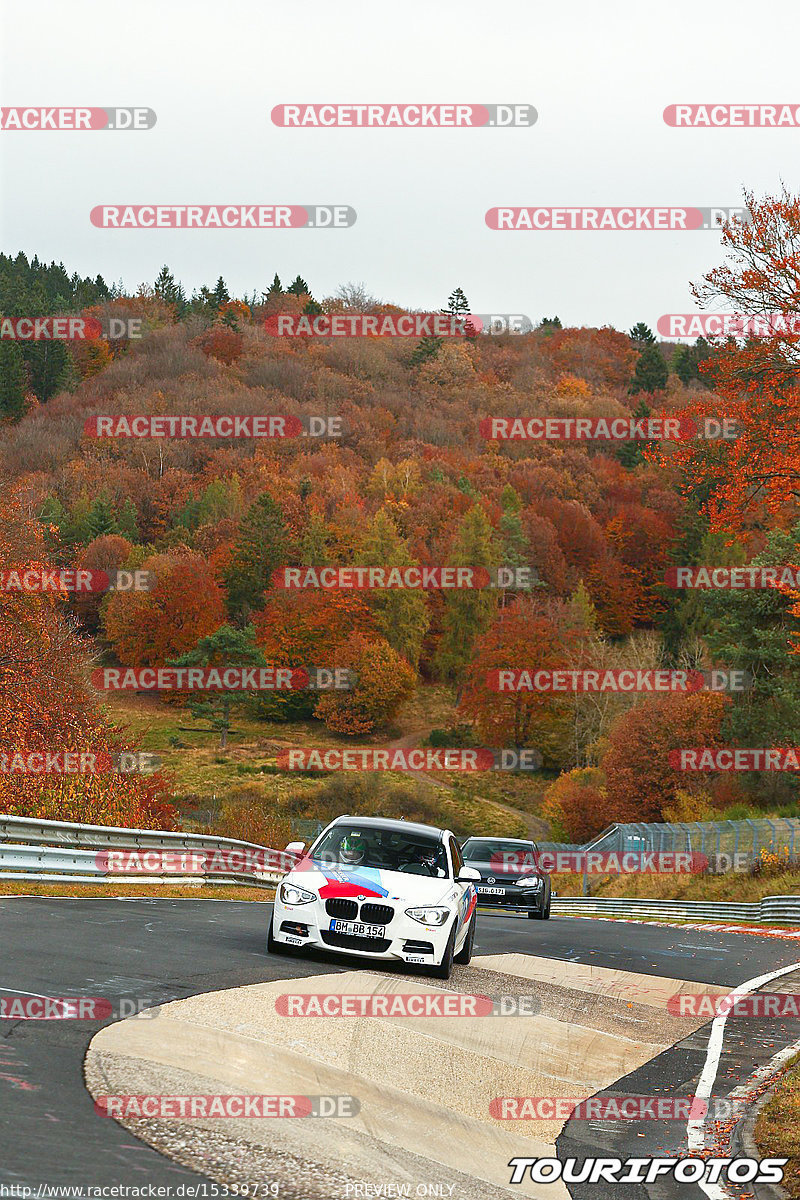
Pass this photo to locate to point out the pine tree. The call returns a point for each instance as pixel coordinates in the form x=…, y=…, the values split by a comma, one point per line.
x=220, y=295
x=13, y=381
x=101, y=519
x=457, y=303
x=515, y=545
x=468, y=611
x=76, y=530
x=686, y=360
x=298, y=287
x=128, y=521
x=315, y=543
x=227, y=647
x=642, y=334
x=401, y=614
x=583, y=609
x=631, y=453
x=548, y=324
x=650, y=374
x=260, y=546
x=168, y=290
x=275, y=289
x=50, y=368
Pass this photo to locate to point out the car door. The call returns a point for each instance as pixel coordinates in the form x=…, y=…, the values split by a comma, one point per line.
x=468, y=897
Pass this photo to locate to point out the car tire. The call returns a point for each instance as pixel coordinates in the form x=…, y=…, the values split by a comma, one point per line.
x=465, y=953
x=443, y=970
x=541, y=913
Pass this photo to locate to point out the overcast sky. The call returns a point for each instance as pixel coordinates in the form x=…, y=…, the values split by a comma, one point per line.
x=599, y=75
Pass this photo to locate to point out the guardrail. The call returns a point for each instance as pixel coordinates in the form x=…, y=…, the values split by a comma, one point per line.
x=785, y=909
x=67, y=851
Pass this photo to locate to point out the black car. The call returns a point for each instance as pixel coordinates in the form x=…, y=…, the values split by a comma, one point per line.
x=510, y=874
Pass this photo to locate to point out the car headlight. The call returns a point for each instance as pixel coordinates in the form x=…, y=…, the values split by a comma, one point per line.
x=530, y=881
x=428, y=916
x=290, y=894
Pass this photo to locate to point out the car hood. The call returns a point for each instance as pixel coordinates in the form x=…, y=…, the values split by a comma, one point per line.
x=371, y=883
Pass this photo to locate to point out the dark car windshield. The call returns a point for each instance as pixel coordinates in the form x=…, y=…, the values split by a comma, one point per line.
x=500, y=855
x=356, y=845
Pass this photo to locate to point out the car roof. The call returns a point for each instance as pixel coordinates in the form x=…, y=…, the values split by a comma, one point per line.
x=499, y=838
x=391, y=824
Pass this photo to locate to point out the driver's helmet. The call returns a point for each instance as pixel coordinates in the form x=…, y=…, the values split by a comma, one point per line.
x=352, y=849
x=429, y=858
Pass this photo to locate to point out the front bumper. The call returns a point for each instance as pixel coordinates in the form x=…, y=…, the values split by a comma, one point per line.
x=511, y=897
x=400, y=939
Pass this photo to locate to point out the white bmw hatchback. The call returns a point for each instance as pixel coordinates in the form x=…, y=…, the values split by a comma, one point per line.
x=381, y=889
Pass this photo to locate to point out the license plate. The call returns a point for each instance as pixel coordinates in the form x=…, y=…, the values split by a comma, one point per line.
x=487, y=891
x=358, y=928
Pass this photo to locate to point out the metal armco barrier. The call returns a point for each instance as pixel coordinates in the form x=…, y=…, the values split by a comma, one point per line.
x=64, y=850
x=781, y=909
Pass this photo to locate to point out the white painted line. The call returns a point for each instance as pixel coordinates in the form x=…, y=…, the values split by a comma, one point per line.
x=696, y=1126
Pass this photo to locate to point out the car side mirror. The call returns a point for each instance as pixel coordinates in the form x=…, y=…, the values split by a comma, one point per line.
x=468, y=875
x=295, y=847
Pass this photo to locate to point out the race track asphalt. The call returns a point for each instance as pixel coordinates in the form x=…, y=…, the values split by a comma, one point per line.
x=149, y=951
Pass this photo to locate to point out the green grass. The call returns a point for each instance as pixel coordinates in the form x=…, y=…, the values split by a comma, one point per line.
x=777, y=1131
x=212, y=787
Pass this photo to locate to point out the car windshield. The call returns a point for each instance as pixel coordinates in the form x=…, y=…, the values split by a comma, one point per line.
x=499, y=854
x=384, y=849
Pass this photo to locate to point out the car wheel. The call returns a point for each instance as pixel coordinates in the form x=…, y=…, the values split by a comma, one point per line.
x=444, y=969
x=546, y=913
x=465, y=953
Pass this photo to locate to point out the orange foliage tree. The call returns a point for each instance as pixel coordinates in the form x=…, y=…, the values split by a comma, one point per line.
x=384, y=680
x=640, y=780
x=521, y=639
x=46, y=705
x=757, y=383
x=184, y=604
